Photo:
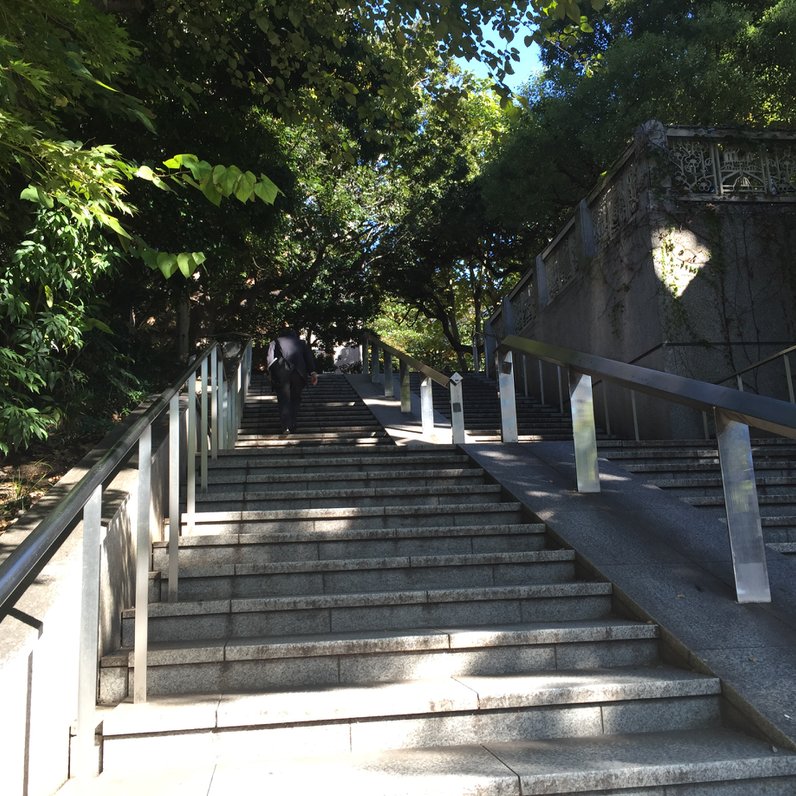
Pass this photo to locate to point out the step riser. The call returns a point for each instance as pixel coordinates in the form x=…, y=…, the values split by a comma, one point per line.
x=264, y=674
x=356, y=548
x=362, y=523
x=369, y=617
x=127, y=754
x=274, y=585
x=219, y=486
x=309, y=500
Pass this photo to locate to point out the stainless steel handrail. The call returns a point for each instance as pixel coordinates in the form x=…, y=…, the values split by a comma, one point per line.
x=406, y=363
x=26, y=558
x=733, y=412
x=784, y=355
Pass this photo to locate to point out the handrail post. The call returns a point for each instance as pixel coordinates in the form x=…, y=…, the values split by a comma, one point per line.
x=85, y=755
x=406, y=390
x=203, y=429
x=142, y=555
x=363, y=353
x=174, y=493
x=560, y=391
x=190, y=457
x=427, y=407
x=789, y=378
x=635, y=415
x=743, y=512
x=508, y=400
x=215, y=383
x=374, y=362
x=457, y=409
x=389, y=387
x=584, y=433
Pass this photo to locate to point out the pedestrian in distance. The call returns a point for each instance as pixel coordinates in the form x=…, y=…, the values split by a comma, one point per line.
x=291, y=366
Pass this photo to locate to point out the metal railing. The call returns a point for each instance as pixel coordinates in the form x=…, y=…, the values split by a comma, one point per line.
x=784, y=355
x=733, y=411
x=406, y=364
x=215, y=424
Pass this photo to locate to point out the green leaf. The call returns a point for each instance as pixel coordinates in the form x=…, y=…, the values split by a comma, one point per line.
x=185, y=263
x=48, y=296
x=167, y=264
x=212, y=193
x=266, y=190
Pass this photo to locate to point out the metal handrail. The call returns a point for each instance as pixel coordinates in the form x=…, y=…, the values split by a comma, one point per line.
x=734, y=412
x=406, y=363
x=759, y=364
x=221, y=409
x=769, y=414
x=25, y=560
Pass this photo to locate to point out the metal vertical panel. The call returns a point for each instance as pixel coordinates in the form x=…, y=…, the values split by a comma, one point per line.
x=457, y=409
x=389, y=388
x=406, y=392
x=743, y=513
x=203, y=426
x=363, y=353
x=374, y=362
x=560, y=390
x=584, y=433
x=635, y=415
x=541, y=382
x=142, y=555
x=508, y=401
x=789, y=378
x=213, y=386
x=190, y=457
x=174, y=492
x=525, y=374
x=427, y=407
x=86, y=757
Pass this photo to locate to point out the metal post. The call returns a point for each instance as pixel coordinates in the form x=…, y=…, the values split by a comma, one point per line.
x=203, y=427
x=427, y=407
x=190, y=457
x=705, y=428
x=541, y=383
x=635, y=415
x=142, y=555
x=86, y=763
x=457, y=409
x=174, y=493
x=216, y=431
x=789, y=378
x=363, y=353
x=374, y=362
x=584, y=433
x=525, y=373
x=739, y=381
x=605, y=409
x=743, y=513
x=389, y=388
x=406, y=391
x=508, y=402
x=560, y=391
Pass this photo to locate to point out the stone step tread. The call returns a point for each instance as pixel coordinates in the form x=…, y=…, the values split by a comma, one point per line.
x=367, y=599
x=304, y=494
x=343, y=452
x=220, y=478
x=471, y=693
x=364, y=534
x=353, y=511
x=384, y=563
x=778, y=520
x=718, y=500
x=716, y=481
x=296, y=440
x=392, y=641
x=522, y=768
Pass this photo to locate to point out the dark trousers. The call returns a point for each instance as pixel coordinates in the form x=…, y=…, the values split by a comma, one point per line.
x=289, y=387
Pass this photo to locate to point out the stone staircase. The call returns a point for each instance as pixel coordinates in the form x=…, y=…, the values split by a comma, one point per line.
x=690, y=470
x=361, y=617
x=535, y=421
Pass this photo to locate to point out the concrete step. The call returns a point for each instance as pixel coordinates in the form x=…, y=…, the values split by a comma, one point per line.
x=349, y=518
x=323, y=613
x=344, y=659
x=346, y=576
x=685, y=763
x=220, y=481
x=262, y=548
x=286, y=497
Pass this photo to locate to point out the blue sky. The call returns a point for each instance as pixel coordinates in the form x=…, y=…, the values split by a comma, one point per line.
x=528, y=64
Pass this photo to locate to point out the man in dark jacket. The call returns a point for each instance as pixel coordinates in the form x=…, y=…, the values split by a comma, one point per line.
x=290, y=366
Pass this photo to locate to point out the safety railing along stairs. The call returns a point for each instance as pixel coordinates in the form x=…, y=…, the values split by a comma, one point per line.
x=365, y=617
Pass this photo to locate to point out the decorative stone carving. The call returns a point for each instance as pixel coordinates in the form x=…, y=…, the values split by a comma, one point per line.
x=523, y=306
x=616, y=205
